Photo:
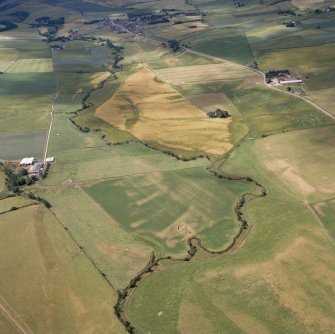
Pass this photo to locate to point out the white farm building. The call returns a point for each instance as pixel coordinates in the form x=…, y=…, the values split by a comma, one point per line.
x=27, y=161
x=290, y=82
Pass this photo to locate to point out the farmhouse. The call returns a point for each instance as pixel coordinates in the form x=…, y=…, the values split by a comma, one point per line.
x=290, y=82
x=27, y=161
x=51, y=159
x=37, y=168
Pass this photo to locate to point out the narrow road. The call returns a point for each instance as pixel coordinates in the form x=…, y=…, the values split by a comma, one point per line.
x=46, y=146
x=50, y=127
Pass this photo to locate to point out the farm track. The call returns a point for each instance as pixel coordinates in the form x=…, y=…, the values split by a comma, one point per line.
x=52, y=112
x=11, y=315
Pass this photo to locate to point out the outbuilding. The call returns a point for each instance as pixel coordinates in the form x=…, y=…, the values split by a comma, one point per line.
x=37, y=168
x=290, y=82
x=27, y=161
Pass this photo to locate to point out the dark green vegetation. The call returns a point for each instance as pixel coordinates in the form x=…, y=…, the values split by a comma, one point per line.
x=124, y=237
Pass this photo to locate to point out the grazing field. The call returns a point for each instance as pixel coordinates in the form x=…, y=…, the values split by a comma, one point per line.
x=227, y=43
x=326, y=212
x=280, y=280
x=80, y=55
x=157, y=114
x=305, y=166
x=119, y=255
x=26, y=114
x=107, y=162
x=205, y=73
x=267, y=111
x=78, y=83
x=17, y=145
x=68, y=103
x=170, y=30
x=14, y=203
x=142, y=206
x=31, y=66
x=33, y=84
x=55, y=280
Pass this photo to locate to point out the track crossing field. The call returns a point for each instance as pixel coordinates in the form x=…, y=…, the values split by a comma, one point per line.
x=31, y=66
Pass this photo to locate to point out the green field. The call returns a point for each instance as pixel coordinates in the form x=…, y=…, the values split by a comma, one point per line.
x=264, y=286
x=26, y=114
x=267, y=111
x=54, y=279
x=119, y=255
x=17, y=145
x=27, y=84
x=68, y=103
x=229, y=43
x=142, y=206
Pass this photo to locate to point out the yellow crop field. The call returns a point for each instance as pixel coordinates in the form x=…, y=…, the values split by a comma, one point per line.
x=225, y=71
x=154, y=112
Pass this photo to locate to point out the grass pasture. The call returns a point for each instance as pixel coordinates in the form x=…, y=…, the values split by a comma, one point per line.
x=78, y=83
x=16, y=202
x=267, y=111
x=305, y=165
x=55, y=280
x=279, y=281
x=31, y=66
x=15, y=146
x=227, y=43
x=142, y=206
x=82, y=56
x=31, y=84
x=326, y=212
x=157, y=114
x=205, y=73
x=118, y=254
x=24, y=115
x=68, y=103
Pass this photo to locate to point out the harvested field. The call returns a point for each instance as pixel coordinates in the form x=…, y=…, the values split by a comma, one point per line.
x=154, y=112
x=205, y=73
x=31, y=66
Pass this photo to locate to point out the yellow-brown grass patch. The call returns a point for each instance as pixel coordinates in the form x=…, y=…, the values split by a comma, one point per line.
x=154, y=112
